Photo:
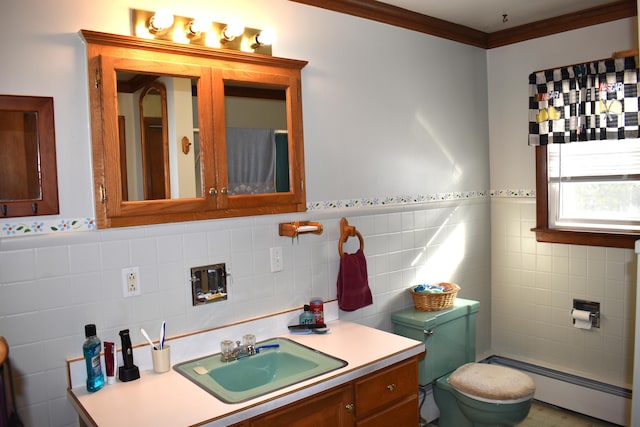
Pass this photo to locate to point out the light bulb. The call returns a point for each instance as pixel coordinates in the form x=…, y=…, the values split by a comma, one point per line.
x=160, y=21
x=265, y=37
x=198, y=26
x=233, y=29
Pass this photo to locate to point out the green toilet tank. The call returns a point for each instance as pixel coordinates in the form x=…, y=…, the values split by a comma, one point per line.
x=448, y=335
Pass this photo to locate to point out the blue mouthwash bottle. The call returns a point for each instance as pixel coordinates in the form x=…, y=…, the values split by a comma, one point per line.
x=91, y=350
x=307, y=318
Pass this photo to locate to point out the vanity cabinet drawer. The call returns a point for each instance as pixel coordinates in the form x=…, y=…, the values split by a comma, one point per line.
x=326, y=409
x=403, y=413
x=381, y=389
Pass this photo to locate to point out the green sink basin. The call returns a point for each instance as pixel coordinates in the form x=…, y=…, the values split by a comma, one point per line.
x=269, y=370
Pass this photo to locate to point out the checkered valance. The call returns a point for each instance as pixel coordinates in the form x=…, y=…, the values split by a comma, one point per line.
x=586, y=102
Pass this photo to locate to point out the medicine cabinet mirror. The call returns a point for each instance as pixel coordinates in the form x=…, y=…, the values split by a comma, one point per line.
x=28, y=176
x=186, y=133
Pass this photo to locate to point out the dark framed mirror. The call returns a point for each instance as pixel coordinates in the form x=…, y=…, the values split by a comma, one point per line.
x=28, y=176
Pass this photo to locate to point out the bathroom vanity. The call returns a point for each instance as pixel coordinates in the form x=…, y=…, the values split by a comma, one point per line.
x=378, y=386
x=386, y=397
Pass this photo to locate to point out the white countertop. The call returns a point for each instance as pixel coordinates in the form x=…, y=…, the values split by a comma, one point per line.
x=171, y=399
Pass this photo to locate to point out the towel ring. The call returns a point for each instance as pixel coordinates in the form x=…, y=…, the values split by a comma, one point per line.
x=347, y=231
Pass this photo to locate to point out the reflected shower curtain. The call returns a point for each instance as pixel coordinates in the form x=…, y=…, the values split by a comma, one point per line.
x=251, y=157
x=282, y=161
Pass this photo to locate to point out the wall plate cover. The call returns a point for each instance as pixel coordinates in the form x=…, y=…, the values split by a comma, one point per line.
x=590, y=306
x=130, y=281
x=209, y=283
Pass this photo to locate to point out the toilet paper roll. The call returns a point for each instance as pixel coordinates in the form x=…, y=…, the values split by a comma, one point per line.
x=581, y=319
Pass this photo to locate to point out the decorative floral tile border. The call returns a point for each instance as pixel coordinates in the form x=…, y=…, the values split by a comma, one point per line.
x=44, y=226
x=393, y=200
x=512, y=193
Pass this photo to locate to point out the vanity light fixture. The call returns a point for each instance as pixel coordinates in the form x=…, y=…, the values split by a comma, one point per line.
x=163, y=25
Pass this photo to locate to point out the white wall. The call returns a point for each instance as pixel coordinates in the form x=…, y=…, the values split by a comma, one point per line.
x=390, y=116
x=534, y=284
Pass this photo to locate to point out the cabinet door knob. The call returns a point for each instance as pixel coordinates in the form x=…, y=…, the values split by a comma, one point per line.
x=349, y=407
x=213, y=191
x=391, y=387
x=224, y=190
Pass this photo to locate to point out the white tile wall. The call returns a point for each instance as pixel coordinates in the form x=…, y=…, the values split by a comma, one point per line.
x=533, y=287
x=50, y=286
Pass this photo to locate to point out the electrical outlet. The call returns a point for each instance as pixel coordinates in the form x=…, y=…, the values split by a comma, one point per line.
x=276, y=259
x=130, y=281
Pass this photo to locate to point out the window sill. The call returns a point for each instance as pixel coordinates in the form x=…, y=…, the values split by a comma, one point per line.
x=572, y=237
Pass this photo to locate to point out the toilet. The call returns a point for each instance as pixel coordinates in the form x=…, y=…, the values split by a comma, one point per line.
x=466, y=393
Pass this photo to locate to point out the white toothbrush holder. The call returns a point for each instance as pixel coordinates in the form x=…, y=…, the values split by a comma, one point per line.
x=161, y=359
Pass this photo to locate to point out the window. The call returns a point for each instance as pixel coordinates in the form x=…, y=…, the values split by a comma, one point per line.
x=594, y=186
x=589, y=193
x=584, y=123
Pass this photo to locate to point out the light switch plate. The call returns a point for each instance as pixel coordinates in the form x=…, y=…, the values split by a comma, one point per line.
x=276, y=259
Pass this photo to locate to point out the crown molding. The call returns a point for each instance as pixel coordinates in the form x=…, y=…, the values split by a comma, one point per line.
x=559, y=24
x=399, y=17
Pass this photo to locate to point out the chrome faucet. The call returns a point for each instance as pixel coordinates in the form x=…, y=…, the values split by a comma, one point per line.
x=243, y=350
x=240, y=351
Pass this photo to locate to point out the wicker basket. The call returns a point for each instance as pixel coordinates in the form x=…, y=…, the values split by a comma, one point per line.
x=436, y=301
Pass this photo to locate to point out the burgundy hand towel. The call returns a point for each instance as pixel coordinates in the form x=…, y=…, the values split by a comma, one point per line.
x=353, y=285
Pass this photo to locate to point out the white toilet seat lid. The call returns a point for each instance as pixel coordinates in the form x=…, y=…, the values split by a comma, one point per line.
x=492, y=383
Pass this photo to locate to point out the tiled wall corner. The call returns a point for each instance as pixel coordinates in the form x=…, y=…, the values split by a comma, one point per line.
x=533, y=287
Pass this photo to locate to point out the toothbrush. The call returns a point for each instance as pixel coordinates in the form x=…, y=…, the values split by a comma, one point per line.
x=148, y=339
x=163, y=329
x=267, y=346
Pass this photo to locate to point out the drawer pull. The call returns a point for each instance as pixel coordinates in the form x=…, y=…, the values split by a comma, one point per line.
x=349, y=408
x=391, y=387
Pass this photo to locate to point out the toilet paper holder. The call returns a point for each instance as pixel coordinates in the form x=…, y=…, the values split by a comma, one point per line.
x=592, y=307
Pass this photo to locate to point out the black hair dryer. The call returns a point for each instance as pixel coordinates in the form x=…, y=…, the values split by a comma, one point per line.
x=129, y=371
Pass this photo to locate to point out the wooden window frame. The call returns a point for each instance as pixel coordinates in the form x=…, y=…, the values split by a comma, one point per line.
x=571, y=237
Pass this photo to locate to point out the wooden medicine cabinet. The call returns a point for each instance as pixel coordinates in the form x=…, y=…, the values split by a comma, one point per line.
x=183, y=133
x=28, y=176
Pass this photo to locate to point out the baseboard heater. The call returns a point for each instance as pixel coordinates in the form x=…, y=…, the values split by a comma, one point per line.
x=583, y=395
